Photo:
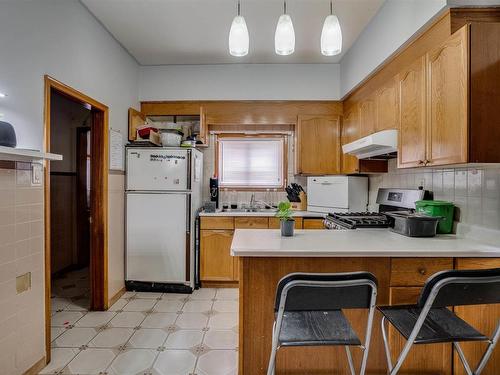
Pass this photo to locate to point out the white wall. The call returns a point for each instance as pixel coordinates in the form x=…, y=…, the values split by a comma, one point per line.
x=394, y=24
x=62, y=39
x=240, y=82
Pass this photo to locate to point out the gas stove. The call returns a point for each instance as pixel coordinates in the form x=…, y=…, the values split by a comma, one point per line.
x=355, y=220
x=389, y=200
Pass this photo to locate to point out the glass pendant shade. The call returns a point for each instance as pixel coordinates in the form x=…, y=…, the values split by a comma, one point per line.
x=331, y=36
x=239, y=40
x=284, y=38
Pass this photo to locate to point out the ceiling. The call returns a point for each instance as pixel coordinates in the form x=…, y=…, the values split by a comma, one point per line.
x=161, y=32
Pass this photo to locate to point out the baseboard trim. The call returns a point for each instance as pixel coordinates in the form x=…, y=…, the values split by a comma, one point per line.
x=219, y=284
x=116, y=297
x=37, y=367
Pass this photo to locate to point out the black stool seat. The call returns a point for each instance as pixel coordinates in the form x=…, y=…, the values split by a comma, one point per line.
x=312, y=328
x=441, y=324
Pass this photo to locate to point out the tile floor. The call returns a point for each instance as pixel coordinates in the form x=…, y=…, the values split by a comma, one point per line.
x=147, y=334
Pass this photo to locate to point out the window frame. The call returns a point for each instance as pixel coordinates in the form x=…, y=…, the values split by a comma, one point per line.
x=284, y=172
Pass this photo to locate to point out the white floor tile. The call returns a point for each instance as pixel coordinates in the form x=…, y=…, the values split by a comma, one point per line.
x=78, y=305
x=197, y=306
x=55, y=332
x=128, y=295
x=139, y=305
x=169, y=305
x=95, y=319
x=174, y=362
x=203, y=293
x=75, y=337
x=159, y=320
x=148, y=295
x=148, y=338
x=60, y=357
x=184, y=339
x=219, y=339
x=175, y=296
x=90, y=362
x=127, y=319
x=218, y=362
x=118, y=305
x=192, y=321
x=132, y=362
x=226, y=306
x=65, y=318
x=57, y=303
x=227, y=293
x=223, y=321
x=111, y=338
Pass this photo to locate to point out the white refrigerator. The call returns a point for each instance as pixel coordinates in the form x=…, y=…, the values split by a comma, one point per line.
x=163, y=196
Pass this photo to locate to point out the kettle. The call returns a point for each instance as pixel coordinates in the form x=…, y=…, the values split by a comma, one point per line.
x=7, y=135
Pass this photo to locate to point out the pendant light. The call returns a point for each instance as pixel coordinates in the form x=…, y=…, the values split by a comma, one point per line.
x=284, y=38
x=238, y=36
x=331, y=36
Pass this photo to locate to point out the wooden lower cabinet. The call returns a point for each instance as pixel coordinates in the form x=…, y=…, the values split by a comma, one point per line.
x=274, y=223
x=313, y=223
x=216, y=262
x=429, y=359
x=484, y=318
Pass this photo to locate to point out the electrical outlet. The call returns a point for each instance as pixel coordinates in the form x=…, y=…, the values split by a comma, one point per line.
x=36, y=174
x=23, y=283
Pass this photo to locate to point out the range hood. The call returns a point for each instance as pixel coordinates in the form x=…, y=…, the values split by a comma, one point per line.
x=380, y=145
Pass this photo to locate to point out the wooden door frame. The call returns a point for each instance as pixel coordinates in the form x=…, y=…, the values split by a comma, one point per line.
x=99, y=199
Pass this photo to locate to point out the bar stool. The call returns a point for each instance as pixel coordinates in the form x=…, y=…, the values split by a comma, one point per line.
x=430, y=321
x=308, y=312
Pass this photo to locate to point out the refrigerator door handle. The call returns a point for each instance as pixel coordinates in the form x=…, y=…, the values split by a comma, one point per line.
x=189, y=169
x=188, y=213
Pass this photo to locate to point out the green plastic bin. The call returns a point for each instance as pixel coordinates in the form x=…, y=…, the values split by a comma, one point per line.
x=438, y=208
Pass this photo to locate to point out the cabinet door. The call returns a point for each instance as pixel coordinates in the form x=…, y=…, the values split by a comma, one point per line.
x=313, y=223
x=412, y=130
x=387, y=107
x=318, y=145
x=447, y=88
x=366, y=117
x=135, y=119
x=216, y=262
x=350, y=132
x=483, y=317
x=432, y=359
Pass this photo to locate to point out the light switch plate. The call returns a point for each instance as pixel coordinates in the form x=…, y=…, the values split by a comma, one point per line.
x=36, y=174
x=23, y=283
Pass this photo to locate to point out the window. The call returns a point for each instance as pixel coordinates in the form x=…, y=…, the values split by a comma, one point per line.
x=255, y=162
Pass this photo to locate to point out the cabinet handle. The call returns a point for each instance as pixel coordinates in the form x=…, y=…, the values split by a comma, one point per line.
x=426, y=162
x=421, y=162
x=422, y=271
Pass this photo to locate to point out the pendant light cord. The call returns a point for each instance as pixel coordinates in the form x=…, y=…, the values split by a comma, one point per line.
x=284, y=7
x=239, y=8
x=331, y=7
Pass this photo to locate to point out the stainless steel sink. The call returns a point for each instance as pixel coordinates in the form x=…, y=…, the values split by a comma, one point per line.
x=256, y=210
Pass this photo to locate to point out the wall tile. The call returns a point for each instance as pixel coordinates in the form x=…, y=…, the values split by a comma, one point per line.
x=460, y=183
x=474, y=182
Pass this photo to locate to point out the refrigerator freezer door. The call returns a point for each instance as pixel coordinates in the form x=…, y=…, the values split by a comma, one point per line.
x=158, y=169
x=157, y=238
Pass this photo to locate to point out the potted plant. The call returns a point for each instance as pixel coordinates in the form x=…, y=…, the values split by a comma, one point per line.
x=287, y=223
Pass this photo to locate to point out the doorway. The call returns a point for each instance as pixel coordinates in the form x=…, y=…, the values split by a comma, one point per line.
x=76, y=126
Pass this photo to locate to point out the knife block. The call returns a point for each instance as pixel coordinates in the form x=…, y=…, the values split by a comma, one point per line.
x=302, y=205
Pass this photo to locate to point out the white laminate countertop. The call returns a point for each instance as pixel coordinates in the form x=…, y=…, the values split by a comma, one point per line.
x=269, y=213
x=354, y=243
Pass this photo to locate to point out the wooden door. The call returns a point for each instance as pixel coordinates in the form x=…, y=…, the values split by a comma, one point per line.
x=350, y=132
x=366, y=117
x=412, y=130
x=447, y=93
x=318, y=145
x=484, y=318
x=216, y=262
x=429, y=359
x=387, y=107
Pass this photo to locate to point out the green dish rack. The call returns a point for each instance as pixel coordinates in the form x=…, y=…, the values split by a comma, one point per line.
x=438, y=208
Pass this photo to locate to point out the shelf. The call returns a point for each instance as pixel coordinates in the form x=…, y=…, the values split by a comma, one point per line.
x=19, y=154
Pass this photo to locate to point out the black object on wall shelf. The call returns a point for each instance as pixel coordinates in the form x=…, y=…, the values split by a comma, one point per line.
x=7, y=135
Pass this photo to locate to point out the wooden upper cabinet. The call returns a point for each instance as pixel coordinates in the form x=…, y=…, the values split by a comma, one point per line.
x=447, y=91
x=412, y=120
x=366, y=117
x=350, y=131
x=135, y=119
x=318, y=145
x=387, y=107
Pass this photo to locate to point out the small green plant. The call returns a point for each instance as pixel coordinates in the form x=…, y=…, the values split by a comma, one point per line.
x=284, y=211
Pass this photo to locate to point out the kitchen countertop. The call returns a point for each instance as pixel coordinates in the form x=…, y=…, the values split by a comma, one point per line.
x=354, y=243
x=269, y=213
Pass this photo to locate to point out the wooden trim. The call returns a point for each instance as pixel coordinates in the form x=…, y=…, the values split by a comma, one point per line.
x=117, y=296
x=284, y=172
x=99, y=256
x=219, y=284
x=37, y=367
